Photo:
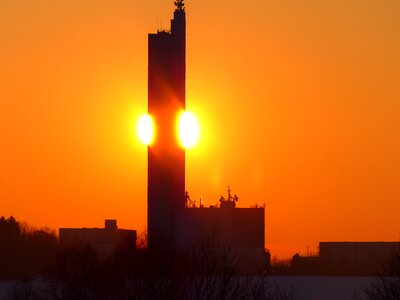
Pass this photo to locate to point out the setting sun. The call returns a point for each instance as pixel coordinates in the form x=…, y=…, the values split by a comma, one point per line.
x=188, y=129
x=145, y=129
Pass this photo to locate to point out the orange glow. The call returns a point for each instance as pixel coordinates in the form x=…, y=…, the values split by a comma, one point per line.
x=188, y=129
x=298, y=103
x=146, y=129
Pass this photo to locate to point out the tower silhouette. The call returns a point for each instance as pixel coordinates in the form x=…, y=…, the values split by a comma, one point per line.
x=166, y=158
x=171, y=225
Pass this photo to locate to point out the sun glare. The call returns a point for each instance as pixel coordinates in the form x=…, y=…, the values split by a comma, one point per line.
x=188, y=129
x=145, y=129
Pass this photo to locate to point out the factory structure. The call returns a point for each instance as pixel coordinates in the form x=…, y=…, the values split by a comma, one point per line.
x=174, y=223
x=166, y=157
x=173, y=220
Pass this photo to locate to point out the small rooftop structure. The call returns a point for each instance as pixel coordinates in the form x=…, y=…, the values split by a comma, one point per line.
x=180, y=5
x=229, y=202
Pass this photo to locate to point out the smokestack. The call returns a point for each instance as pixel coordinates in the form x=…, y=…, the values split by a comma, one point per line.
x=166, y=158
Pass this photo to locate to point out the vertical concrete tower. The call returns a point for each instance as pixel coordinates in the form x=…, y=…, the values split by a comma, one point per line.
x=166, y=158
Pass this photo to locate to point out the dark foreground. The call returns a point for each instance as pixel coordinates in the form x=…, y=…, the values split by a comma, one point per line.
x=299, y=287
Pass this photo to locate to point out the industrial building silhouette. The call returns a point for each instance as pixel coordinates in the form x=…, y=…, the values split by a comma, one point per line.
x=166, y=158
x=346, y=258
x=175, y=224
x=172, y=221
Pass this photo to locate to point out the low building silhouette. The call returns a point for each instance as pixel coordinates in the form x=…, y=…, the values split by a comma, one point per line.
x=305, y=265
x=346, y=258
x=237, y=230
x=361, y=258
x=103, y=240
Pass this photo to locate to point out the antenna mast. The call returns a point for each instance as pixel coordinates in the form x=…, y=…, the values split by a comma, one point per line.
x=180, y=6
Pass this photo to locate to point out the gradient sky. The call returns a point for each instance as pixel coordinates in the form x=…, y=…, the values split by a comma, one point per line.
x=298, y=100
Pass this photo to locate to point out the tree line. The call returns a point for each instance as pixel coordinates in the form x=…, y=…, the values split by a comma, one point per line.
x=24, y=251
x=44, y=269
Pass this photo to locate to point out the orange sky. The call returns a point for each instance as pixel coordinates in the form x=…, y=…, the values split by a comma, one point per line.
x=299, y=103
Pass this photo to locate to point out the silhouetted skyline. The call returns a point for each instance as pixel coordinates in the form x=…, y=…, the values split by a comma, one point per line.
x=297, y=102
x=174, y=225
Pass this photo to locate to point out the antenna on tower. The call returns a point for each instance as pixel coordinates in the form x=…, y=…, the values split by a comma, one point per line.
x=180, y=6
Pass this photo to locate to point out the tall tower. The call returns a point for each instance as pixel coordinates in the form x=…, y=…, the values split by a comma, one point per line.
x=166, y=158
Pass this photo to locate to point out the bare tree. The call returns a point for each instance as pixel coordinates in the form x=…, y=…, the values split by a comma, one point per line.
x=206, y=271
x=385, y=286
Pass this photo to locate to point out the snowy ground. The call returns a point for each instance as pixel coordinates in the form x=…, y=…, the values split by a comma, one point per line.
x=322, y=287
x=4, y=286
x=304, y=287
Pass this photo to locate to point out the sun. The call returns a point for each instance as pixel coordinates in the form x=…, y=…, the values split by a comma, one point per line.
x=145, y=129
x=188, y=129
